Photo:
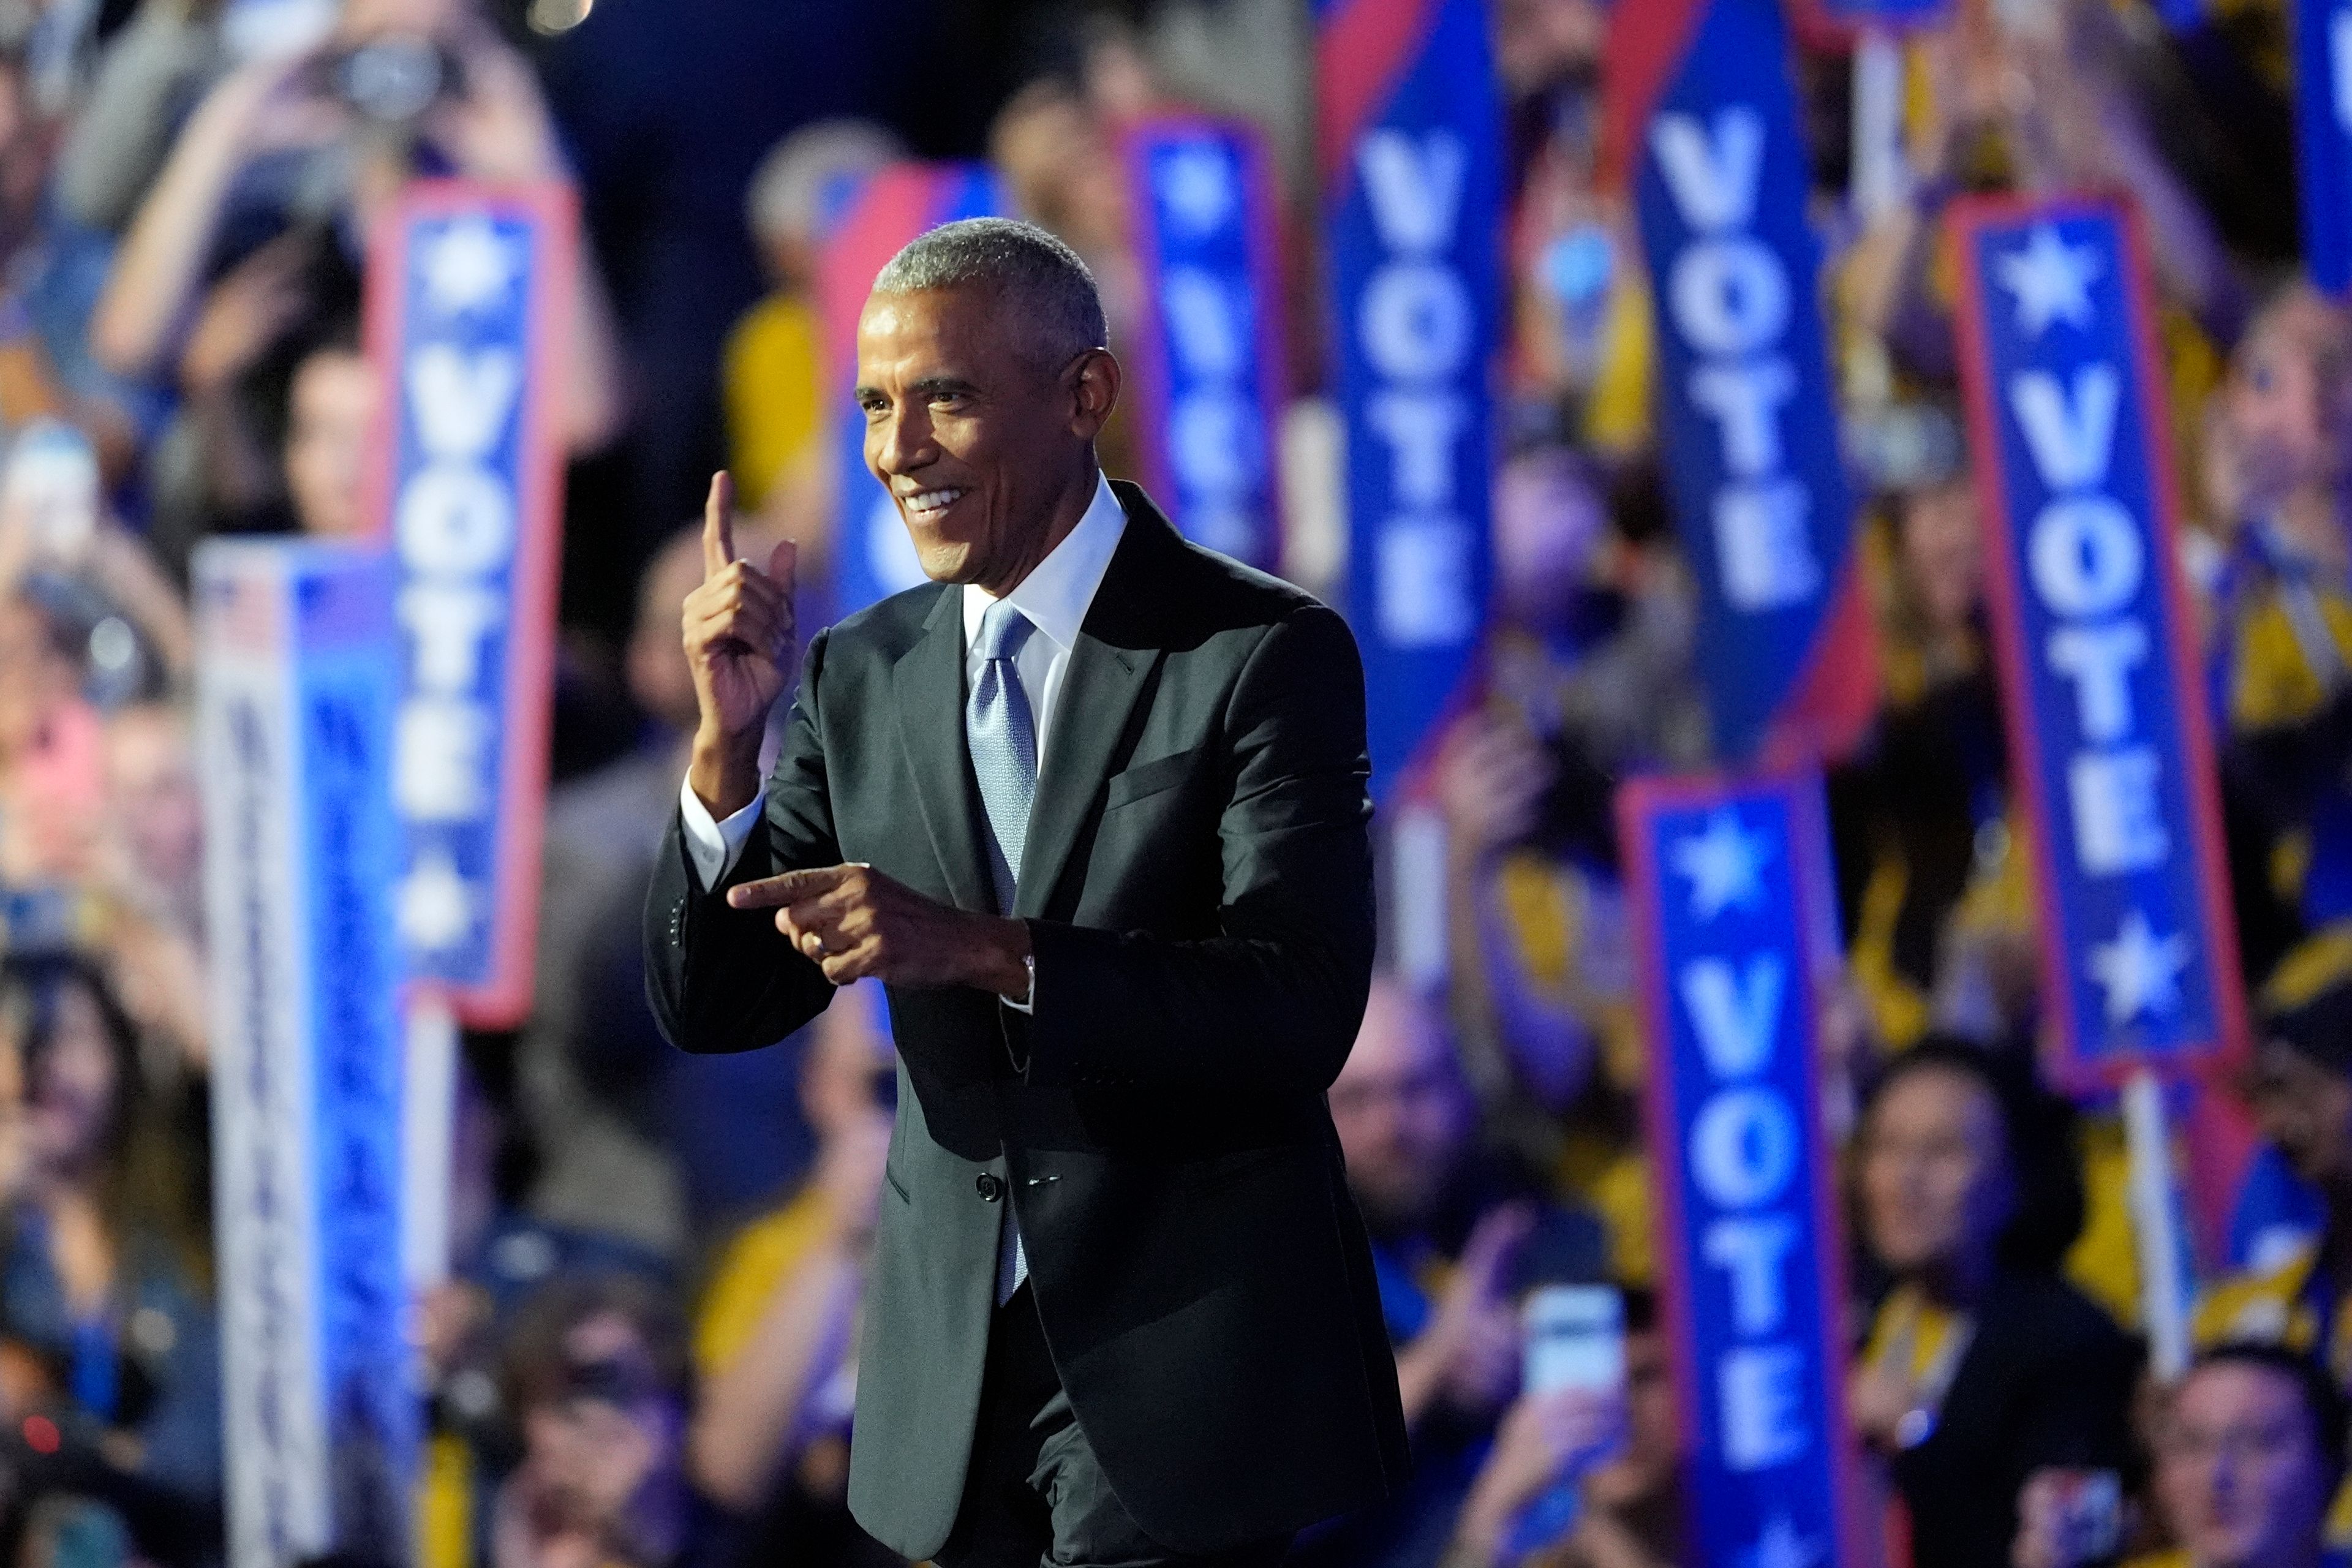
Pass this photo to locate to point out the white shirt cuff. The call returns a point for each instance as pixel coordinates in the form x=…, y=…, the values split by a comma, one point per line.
x=1027, y=1004
x=715, y=847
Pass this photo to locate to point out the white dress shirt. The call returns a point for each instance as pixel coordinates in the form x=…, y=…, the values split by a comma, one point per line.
x=1054, y=596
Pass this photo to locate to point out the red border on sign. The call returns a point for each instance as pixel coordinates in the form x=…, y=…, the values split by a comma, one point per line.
x=1639, y=800
x=1969, y=217
x=503, y=999
x=1151, y=357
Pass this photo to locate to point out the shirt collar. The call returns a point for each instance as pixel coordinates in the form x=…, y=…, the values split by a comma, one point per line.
x=1059, y=590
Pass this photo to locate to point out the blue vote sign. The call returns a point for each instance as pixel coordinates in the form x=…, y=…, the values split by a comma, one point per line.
x=2112, y=763
x=1410, y=143
x=1724, y=877
x=1208, y=348
x=469, y=291
x=1702, y=104
x=2323, y=133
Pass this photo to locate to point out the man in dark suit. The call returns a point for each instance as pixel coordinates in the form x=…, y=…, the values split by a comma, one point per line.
x=1092, y=807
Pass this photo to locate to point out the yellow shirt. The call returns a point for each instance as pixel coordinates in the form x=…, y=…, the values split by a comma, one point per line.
x=761, y=1256
x=774, y=388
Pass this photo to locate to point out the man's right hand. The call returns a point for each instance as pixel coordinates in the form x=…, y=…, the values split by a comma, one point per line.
x=740, y=643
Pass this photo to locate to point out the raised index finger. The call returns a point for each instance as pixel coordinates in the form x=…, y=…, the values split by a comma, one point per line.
x=775, y=892
x=719, y=526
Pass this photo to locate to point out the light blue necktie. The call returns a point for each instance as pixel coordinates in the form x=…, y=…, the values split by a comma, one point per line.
x=1001, y=735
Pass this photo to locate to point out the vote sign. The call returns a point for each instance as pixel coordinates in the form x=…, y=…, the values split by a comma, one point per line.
x=1723, y=880
x=469, y=294
x=295, y=688
x=1409, y=143
x=1208, y=349
x=2323, y=111
x=2112, y=765
x=873, y=555
x=1701, y=103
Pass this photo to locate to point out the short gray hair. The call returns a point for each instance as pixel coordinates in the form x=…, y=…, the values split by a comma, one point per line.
x=1057, y=292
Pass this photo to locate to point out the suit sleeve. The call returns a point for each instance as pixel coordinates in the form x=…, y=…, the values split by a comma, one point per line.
x=1272, y=1003
x=722, y=979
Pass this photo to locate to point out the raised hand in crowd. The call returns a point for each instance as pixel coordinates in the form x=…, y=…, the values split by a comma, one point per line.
x=1545, y=1441
x=1469, y=1357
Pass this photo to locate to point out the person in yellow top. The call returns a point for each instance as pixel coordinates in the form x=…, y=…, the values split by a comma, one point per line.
x=773, y=375
x=2248, y=1450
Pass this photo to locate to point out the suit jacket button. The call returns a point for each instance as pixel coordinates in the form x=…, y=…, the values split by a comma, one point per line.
x=991, y=1188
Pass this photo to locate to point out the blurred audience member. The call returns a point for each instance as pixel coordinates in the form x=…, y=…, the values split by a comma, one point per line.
x=318, y=142
x=776, y=1340
x=105, y=1299
x=1589, y=676
x=1457, y=1239
x=2249, y=1448
x=1982, y=1365
x=52, y=746
x=596, y=1377
x=1621, y=1457
x=777, y=394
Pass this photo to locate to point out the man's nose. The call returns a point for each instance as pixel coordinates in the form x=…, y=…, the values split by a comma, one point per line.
x=905, y=444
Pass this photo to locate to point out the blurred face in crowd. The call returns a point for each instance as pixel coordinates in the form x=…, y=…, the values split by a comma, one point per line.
x=1941, y=552
x=151, y=789
x=1936, y=1188
x=2307, y=1111
x=331, y=419
x=659, y=677
x=2283, y=406
x=71, y=1084
x=2239, y=1472
x=975, y=435
x=36, y=676
x=1401, y=1110
x=1550, y=526
x=1049, y=142
x=594, y=1450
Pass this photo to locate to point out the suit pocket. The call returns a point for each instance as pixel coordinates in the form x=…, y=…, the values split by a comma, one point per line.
x=1147, y=778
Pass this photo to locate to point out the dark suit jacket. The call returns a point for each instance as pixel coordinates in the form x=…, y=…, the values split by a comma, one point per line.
x=2046, y=1380
x=1197, y=882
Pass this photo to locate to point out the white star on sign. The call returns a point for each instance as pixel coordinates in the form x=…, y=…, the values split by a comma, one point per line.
x=466, y=266
x=1722, y=863
x=436, y=907
x=2140, y=970
x=1781, y=1547
x=2051, y=280
x=1197, y=187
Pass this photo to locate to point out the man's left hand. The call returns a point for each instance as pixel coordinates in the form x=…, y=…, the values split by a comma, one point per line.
x=855, y=922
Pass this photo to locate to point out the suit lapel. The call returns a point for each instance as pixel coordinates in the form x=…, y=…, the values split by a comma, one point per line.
x=928, y=681
x=1110, y=666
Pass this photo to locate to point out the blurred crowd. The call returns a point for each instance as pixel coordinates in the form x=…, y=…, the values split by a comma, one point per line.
x=645, y=1354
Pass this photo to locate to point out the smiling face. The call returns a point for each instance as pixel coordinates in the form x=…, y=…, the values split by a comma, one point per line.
x=987, y=448
x=1935, y=1186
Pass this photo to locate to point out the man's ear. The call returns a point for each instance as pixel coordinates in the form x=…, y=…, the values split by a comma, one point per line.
x=1092, y=382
